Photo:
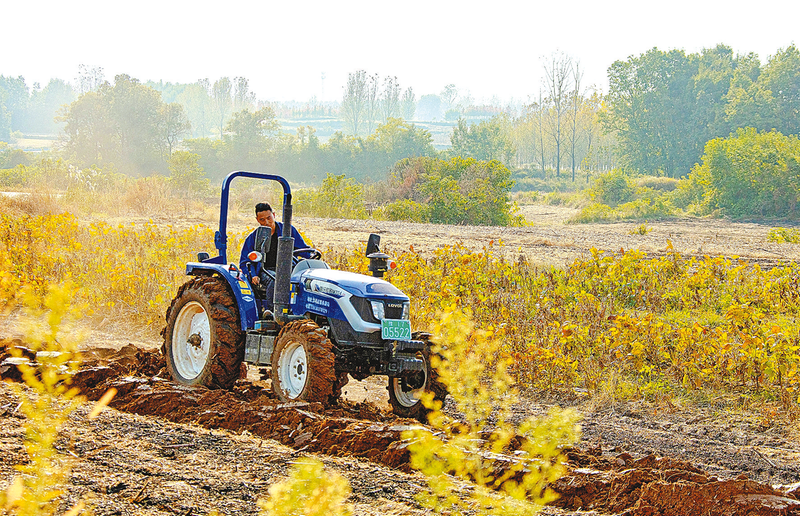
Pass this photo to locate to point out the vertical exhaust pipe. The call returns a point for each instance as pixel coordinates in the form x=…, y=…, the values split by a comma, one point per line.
x=283, y=266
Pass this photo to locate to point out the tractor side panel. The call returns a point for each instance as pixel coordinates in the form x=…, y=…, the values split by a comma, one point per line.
x=316, y=303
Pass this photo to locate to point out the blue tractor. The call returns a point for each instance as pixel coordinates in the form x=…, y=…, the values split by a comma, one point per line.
x=324, y=326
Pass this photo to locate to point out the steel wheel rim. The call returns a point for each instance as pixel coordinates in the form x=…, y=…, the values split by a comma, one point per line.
x=410, y=398
x=191, y=340
x=293, y=365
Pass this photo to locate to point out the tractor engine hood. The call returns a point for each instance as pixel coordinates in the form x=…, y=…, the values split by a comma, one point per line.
x=355, y=284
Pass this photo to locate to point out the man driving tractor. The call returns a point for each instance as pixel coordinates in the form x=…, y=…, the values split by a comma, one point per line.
x=263, y=275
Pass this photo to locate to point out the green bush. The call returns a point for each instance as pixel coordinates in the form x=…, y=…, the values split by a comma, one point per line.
x=646, y=208
x=690, y=193
x=595, y=212
x=527, y=197
x=660, y=183
x=19, y=176
x=407, y=210
x=751, y=174
x=559, y=199
x=337, y=197
x=468, y=191
x=11, y=158
x=612, y=188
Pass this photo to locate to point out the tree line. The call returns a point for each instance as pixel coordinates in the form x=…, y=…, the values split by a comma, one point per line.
x=661, y=109
x=664, y=106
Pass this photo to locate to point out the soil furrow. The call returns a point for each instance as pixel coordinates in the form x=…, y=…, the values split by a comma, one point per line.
x=612, y=481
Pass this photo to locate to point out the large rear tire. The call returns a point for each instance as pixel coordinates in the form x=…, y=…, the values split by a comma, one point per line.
x=407, y=403
x=302, y=364
x=203, y=341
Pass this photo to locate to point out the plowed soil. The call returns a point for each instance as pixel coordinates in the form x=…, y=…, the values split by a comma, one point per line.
x=169, y=449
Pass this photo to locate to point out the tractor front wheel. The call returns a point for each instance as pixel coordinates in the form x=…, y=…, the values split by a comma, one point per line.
x=406, y=399
x=203, y=341
x=302, y=363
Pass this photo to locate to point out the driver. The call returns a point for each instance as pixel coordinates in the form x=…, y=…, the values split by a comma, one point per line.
x=266, y=217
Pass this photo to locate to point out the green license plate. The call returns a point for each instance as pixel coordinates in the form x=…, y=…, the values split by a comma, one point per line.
x=395, y=329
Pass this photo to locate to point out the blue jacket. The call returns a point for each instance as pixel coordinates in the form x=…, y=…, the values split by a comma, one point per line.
x=250, y=245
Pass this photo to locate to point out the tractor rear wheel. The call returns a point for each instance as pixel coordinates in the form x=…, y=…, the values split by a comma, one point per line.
x=203, y=340
x=407, y=403
x=302, y=363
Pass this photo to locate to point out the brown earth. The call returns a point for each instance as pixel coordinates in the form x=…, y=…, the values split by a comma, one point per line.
x=168, y=449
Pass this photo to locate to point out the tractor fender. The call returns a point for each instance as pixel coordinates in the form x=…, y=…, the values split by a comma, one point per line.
x=242, y=292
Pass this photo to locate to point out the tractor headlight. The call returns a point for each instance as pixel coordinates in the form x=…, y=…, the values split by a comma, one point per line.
x=406, y=310
x=378, y=310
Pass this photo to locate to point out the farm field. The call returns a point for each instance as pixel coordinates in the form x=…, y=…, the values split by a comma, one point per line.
x=168, y=450
x=549, y=241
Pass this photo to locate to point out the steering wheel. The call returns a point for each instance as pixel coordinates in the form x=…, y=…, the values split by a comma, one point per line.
x=315, y=254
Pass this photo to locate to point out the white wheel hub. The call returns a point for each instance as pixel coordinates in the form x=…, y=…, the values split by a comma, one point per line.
x=411, y=397
x=191, y=340
x=293, y=369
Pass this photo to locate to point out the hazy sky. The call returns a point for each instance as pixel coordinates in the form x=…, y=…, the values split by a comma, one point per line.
x=487, y=48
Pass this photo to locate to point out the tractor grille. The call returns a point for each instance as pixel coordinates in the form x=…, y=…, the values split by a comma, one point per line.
x=394, y=309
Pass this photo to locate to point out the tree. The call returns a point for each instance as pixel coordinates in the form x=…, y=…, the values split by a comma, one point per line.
x=135, y=112
x=119, y=125
x=448, y=96
x=541, y=118
x=524, y=137
x=408, y=104
x=186, y=175
x=747, y=103
x=558, y=80
x=221, y=95
x=485, y=141
x=243, y=98
x=781, y=77
x=576, y=101
x=16, y=101
x=88, y=133
x=372, y=105
x=45, y=105
x=354, y=102
x=338, y=197
x=248, y=135
x=429, y=107
x=650, y=106
x=197, y=102
x=390, y=99
x=588, y=116
x=400, y=140
x=716, y=68
x=664, y=106
x=89, y=78
x=174, y=125
x=5, y=118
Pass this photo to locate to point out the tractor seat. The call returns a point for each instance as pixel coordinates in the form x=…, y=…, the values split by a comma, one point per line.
x=309, y=264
